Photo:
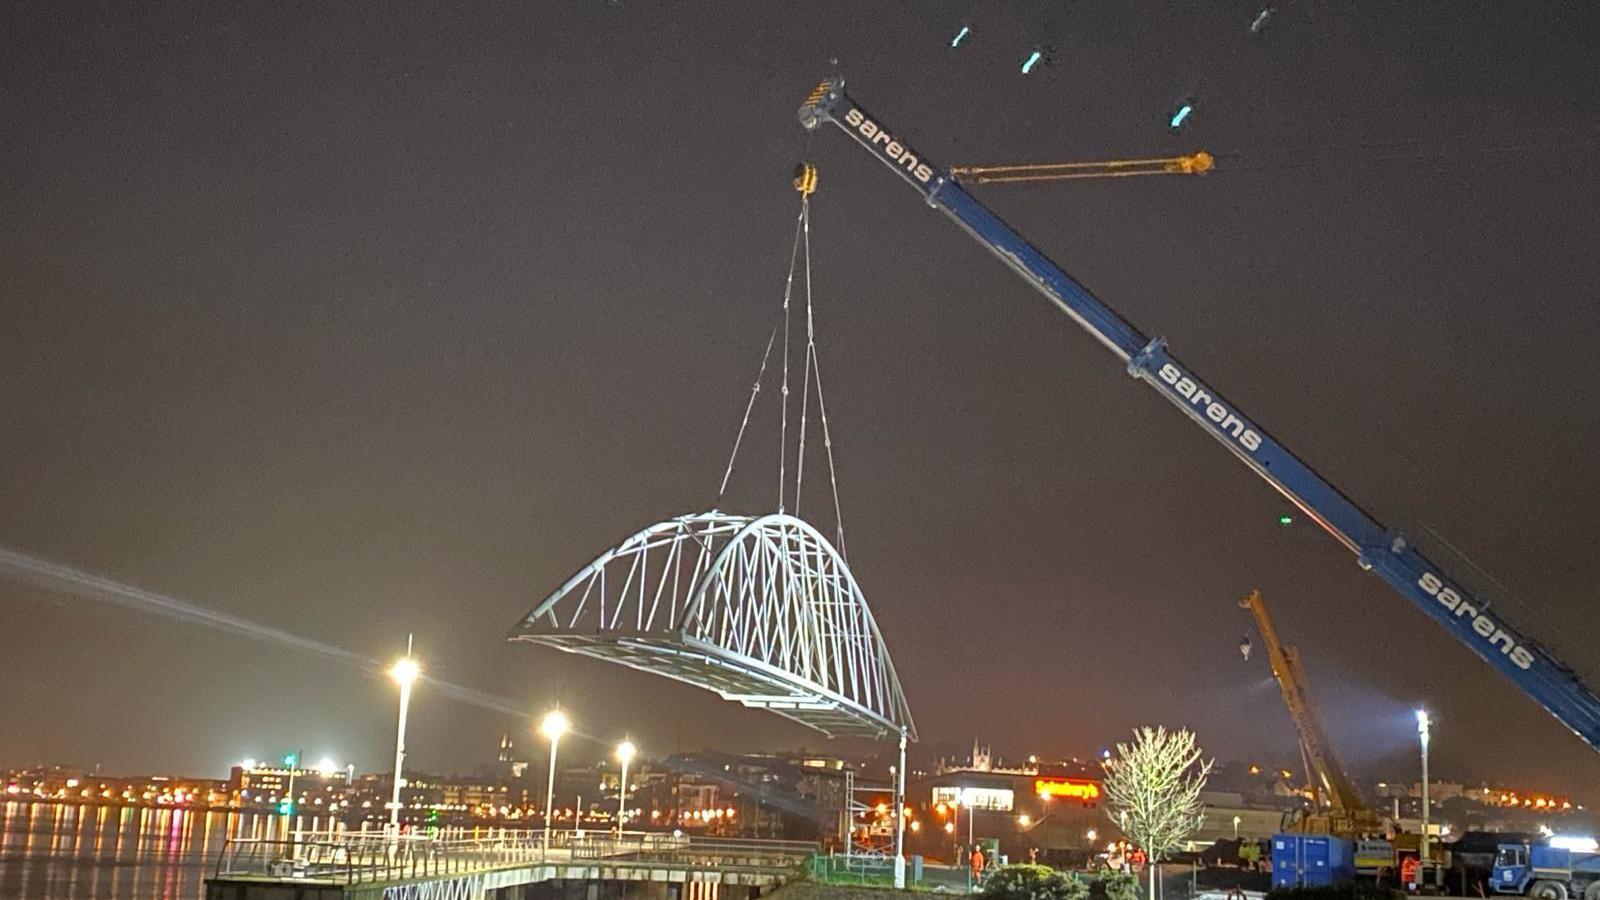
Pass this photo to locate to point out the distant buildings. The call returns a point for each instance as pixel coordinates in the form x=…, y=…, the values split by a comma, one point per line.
x=1052, y=807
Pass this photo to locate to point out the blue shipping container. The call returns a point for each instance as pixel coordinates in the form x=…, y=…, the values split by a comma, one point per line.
x=1311, y=860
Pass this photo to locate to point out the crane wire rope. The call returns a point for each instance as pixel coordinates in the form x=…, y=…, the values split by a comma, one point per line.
x=783, y=428
x=811, y=349
x=755, y=389
x=805, y=183
x=813, y=376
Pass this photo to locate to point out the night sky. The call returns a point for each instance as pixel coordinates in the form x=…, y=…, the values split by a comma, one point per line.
x=360, y=319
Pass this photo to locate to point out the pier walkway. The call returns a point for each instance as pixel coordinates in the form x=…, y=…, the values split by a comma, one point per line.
x=500, y=865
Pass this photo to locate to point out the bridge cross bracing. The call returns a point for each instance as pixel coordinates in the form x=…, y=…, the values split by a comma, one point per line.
x=762, y=610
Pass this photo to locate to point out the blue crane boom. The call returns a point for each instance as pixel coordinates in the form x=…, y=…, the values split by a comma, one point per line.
x=1386, y=552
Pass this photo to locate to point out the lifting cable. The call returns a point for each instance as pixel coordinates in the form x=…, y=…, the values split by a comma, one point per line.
x=755, y=389
x=805, y=182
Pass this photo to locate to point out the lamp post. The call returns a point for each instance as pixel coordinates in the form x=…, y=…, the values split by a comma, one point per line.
x=1236, y=821
x=900, y=816
x=404, y=672
x=972, y=816
x=625, y=752
x=555, y=724
x=1423, y=726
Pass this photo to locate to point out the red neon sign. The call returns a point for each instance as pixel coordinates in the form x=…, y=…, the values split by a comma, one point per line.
x=1067, y=787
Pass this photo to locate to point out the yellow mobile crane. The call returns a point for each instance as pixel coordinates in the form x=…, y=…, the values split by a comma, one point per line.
x=1338, y=809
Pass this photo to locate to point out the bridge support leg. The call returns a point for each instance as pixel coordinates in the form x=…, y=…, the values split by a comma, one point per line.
x=900, y=816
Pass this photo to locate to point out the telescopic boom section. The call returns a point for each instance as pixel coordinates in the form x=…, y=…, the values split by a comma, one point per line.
x=1333, y=788
x=1386, y=552
x=1198, y=163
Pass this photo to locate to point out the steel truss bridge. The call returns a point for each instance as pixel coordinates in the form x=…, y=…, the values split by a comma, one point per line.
x=492, y=862
x=761, y=610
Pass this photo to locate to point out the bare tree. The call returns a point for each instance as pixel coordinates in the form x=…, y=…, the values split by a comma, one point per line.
x=1152, y=790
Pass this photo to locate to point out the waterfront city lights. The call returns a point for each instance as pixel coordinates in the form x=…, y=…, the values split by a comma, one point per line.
x=625, y=754
x=555, y=724
x=404, y=672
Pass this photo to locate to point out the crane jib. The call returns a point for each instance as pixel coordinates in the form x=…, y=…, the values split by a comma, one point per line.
x=1388, y=554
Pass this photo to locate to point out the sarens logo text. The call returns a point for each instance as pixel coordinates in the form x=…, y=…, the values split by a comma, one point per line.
x=1201, y=399
x=881, y=141
x=1487, y=628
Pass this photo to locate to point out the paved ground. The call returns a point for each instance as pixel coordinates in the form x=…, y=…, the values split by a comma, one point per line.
x=810, y=890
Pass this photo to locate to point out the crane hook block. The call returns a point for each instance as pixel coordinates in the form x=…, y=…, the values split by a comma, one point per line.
x=805, y=178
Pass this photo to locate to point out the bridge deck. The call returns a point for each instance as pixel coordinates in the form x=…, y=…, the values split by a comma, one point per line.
x=325, y=866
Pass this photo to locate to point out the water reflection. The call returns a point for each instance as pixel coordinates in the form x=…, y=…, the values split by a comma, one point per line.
x=70, y=852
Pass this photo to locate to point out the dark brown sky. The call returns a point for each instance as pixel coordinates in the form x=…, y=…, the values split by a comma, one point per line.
x=357, y=319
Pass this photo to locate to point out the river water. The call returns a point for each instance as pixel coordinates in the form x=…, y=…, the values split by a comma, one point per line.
x=69, y=852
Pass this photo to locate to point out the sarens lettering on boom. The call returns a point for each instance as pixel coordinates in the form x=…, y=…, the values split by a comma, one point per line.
x=884, y=143
x=1200, y=398
x=1484, y=626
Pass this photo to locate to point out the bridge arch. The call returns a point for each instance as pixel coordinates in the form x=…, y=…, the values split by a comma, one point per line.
x=763, y=610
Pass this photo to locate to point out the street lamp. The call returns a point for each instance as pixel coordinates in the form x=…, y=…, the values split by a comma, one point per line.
x=1423, y=726
x=1236, y=821
x=625, y=752
x=404, y=672
x=966, y=800
x=555, y=724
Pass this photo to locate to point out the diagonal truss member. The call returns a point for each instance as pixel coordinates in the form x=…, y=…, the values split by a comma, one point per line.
x=760, y=609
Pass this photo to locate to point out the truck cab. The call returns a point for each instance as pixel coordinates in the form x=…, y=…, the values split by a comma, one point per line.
x=1510, y=869
x=1547, y=872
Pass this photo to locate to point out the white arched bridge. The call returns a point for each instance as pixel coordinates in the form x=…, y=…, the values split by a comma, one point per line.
x=760, y=609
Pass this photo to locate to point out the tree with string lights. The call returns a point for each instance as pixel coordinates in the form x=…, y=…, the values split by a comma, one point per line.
x=1152, y=790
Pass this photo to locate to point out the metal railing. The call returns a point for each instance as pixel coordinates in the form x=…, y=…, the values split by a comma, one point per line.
x=365, y=857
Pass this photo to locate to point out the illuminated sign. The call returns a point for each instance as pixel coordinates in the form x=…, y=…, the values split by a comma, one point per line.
x=1067, y=787
x=993, y=799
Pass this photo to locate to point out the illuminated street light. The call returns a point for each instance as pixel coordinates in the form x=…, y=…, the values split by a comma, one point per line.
x=1424, y=725
x=248, y=764
x=1236, y=821
x=555, y=724
x=326, y=767
x=404, y=672
x=625, y=753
